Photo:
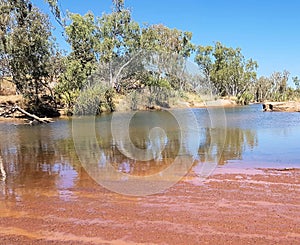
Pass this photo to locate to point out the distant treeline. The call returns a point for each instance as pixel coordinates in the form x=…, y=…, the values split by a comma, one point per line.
x=116, y=52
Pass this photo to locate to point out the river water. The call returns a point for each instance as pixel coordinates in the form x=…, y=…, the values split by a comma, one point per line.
x=142, y=144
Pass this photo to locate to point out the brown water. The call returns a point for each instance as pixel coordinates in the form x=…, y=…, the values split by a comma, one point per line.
x=48, y=192
x=246, y=138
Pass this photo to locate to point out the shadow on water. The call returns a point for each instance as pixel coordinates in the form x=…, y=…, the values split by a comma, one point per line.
x=44, y=156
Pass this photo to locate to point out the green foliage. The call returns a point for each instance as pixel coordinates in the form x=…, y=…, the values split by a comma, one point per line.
x=81, y=62
x=161, y=39
x=82, y=37
x=72, y=81
x=118, y=33
x=26, y=46
x=295, y=93
x=245, y=98
x=94, y=100
x=170, y=49
x=68, y=97
x=204, y=60
x=226, y=69
x=148, y=63
x=154, y=81
x=53, y=5
x=296, y=81
x=272, y=88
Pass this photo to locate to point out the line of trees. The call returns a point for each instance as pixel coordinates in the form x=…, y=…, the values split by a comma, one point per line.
x=29, y=55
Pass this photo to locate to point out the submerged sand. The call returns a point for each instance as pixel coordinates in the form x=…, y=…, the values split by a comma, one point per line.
x=236, y=207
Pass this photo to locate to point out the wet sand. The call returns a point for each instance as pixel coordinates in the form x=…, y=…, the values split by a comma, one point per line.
x=236, y=207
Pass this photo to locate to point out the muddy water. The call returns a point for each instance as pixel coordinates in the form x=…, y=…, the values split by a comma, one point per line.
x=48, y=196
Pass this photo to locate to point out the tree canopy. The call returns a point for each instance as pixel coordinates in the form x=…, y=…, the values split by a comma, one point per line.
x=26, y=46
x=226, y=68
x=114, y=43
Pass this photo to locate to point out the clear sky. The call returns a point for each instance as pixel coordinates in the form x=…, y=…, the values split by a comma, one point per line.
x=267, y=31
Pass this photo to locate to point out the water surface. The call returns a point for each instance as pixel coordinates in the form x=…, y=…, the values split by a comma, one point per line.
x=45, y=155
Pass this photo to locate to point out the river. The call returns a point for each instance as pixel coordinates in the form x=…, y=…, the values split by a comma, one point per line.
x=195, y=176
x=239, y=137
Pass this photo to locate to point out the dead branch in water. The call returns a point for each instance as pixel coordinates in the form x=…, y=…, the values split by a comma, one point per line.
x=41, y=120
x=15, y=108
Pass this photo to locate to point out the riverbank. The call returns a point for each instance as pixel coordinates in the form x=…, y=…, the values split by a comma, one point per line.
x=290, y=106
x=259, y=206
x=10, y=99
x=189, y=100
x=122, y=105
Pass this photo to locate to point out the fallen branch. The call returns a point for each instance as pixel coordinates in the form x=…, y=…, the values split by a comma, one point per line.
x=41, y=120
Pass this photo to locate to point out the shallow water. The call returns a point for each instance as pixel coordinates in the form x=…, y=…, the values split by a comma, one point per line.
x=55, y=155
x=271, y=139
x=48, y=192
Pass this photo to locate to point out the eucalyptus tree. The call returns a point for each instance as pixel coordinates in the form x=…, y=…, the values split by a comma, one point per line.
x=81, y=61
x=279, y=82
x=26, y=43
x=98, y=45
x=5, y=22
x=263, y=89
x=296, y=81
x=170, y=48
x=119, y=39
x=204, y=60
x=273, y=87
x=56, y=11
x=226, y=68
x=162, y=39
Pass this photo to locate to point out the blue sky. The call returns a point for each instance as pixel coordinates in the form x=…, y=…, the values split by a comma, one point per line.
x=267, y=31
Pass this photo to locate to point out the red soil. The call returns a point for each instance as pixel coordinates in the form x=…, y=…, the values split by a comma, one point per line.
x=260, y=207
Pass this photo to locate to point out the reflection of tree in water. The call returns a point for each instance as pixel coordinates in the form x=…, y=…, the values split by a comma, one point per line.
x=33, y=159
x=226, y=144
x=106, y=151
x=111, y=155
x=41, y=156
x=216, y=145
x=2, y=169
x=141, y=125
x=24, y=157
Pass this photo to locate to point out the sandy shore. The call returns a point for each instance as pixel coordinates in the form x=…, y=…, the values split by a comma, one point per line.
x=236, y=207
x=122, y=105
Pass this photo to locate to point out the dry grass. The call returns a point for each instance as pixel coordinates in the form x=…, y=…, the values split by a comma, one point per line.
x=7, y=87
x=188, y=100
x=10, y=99
x=121, y=102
